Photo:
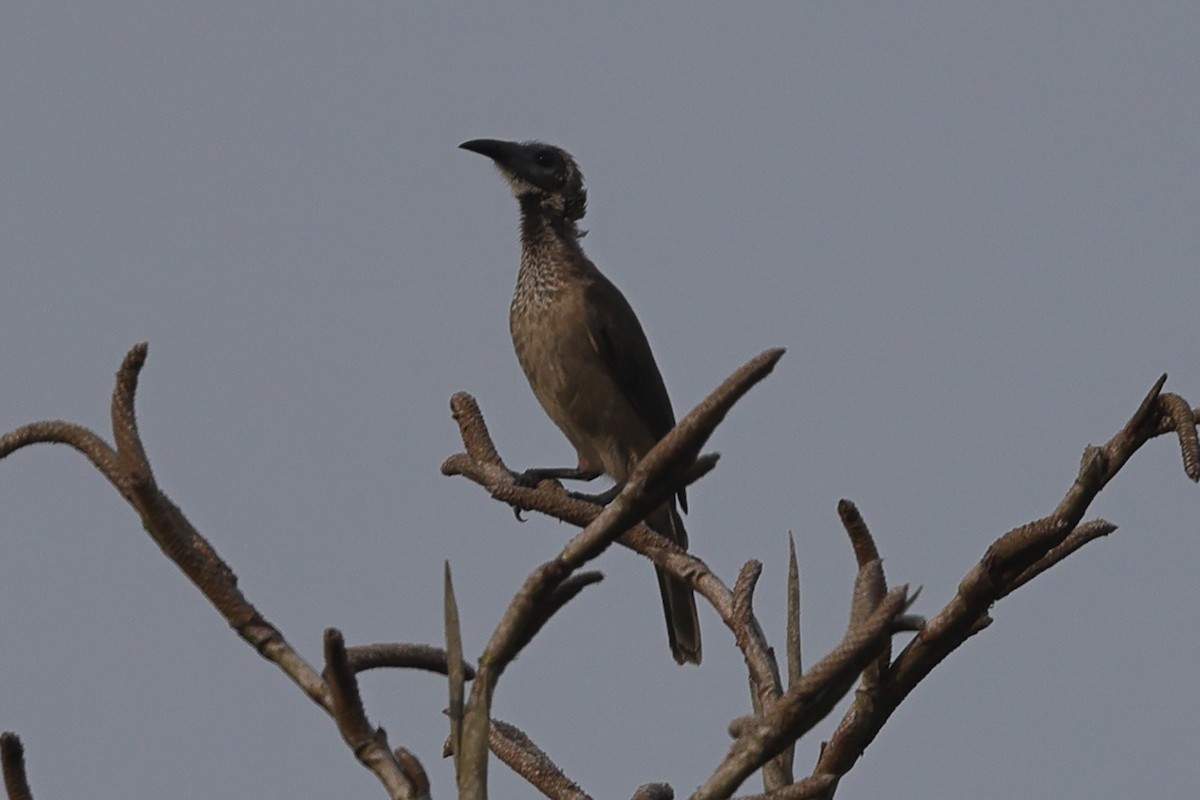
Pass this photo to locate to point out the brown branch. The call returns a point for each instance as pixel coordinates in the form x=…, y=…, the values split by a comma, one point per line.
x=811, y=787
x=370, y=745
x=671, y=464
x=401, y=655
x=128, y=468
x=514, y=748
x=12, y=757
x=550, y=586
x=1183, y=420
x=778, y=771
x=1087, y=532
x=95, y=449
x=871, y=585
x=482, y=465
x=810, y=700
x=415, y=772
x=1011, y=561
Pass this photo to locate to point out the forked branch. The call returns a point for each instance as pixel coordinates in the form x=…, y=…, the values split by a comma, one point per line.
x=127, y=467
x=1009, y=563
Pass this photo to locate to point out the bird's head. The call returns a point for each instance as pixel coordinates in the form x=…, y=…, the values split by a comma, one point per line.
x=537, y=171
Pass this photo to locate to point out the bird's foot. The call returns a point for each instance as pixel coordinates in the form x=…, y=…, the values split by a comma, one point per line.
x=530, y=479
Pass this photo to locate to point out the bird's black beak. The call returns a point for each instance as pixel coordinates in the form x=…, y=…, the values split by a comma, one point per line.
x=503, y=153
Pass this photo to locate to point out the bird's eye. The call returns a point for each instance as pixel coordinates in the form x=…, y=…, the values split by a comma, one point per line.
x=544, y=158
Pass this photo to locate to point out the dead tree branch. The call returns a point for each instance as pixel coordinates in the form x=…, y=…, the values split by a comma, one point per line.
x=127, y=467
x=670, y=465
x=1009, y=563
x=762, y=740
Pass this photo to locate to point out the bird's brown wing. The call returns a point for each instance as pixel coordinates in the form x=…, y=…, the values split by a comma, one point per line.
x=621, y=343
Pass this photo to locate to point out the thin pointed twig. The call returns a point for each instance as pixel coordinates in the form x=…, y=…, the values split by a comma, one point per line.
x=456, y=671
x=795, y=660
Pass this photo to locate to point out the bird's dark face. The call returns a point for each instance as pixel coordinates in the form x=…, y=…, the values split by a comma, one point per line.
x=540, y=170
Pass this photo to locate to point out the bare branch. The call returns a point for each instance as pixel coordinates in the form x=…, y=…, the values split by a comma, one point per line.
x=128, y=468
x=1011, y=561
x=370, y=745
x=401, y=655
x=871, y=585
x=1183, y=419
x=763, y=740
x=1087, y=532
x=551, y=603
x=514, y=748
x=778, y=771
x=415, y=772
x=103, y=457
x=12, y=756
x=813, y=786
x=674, y=457
x=809, y=701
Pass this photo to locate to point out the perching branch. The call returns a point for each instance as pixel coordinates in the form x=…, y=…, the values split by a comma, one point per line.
x=671, y=464
x=762, y=740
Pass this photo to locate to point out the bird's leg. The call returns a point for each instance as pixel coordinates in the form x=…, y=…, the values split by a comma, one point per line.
x=532, y=477
x=601, y=499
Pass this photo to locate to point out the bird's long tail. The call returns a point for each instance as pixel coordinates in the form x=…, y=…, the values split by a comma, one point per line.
x=679, y=603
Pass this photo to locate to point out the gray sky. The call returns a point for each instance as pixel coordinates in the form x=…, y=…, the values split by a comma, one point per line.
x=973, y=226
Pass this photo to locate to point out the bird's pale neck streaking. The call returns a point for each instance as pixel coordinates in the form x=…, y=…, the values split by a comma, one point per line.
x=551, y=255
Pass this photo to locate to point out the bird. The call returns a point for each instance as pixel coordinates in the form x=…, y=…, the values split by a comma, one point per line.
x=585, y=354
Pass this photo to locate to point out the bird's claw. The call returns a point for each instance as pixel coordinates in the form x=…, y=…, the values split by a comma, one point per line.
x=530, y=478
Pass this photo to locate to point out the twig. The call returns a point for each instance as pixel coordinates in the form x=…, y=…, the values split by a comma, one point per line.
x=370, y=745
x=127, y=467
x=514, y=748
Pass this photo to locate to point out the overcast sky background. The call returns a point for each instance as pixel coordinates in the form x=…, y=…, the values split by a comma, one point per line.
x=974, y=227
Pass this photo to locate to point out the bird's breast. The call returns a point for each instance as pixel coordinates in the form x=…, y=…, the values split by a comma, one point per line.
x=571, y=381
